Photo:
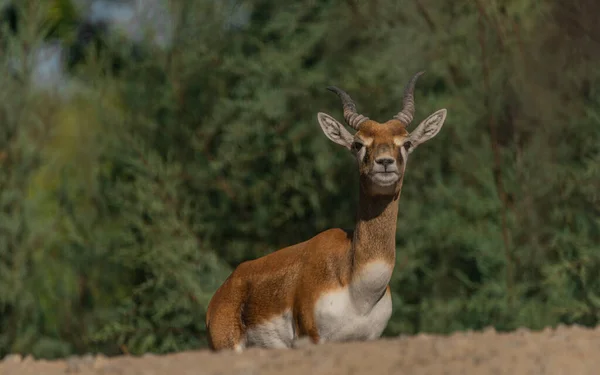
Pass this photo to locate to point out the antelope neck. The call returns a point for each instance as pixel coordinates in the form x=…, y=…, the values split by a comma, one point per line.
x=375, y=231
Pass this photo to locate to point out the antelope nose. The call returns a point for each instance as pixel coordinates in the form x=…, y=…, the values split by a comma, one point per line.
x=385, y=161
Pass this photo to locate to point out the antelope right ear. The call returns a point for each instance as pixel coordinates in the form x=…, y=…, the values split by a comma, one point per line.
x=427, y=129
x=334, y=130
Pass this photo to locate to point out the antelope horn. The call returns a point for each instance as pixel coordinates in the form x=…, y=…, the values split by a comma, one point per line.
x=408, y=101
x=353, y=118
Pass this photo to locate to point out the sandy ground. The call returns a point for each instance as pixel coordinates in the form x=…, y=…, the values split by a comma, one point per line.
x=564, y=350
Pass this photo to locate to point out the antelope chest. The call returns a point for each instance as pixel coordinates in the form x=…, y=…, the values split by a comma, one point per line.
x=359, y=311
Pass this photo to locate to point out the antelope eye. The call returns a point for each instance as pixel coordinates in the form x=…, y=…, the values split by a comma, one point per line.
x=356, y=146
x=407, y=145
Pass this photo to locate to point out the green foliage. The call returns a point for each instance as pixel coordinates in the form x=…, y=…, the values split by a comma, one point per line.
x=124, y=205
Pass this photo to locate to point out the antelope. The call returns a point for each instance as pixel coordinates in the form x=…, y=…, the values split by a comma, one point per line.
x=334, y=286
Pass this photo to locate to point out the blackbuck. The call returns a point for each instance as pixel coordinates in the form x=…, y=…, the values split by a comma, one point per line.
x=334, y=286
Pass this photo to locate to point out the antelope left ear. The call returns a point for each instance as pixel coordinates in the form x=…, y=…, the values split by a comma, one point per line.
x=427, y=129
x=334, y=130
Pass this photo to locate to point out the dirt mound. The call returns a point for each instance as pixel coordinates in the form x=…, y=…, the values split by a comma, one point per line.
x=572, y=350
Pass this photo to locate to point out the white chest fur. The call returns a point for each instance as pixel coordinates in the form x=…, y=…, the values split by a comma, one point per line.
x=357, y=312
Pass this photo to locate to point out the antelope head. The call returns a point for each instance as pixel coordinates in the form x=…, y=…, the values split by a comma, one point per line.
x=381, y=149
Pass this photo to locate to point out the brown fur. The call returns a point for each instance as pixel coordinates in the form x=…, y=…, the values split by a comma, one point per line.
x=296, y=276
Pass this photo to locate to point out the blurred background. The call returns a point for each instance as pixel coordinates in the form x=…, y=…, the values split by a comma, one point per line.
x=147, y=147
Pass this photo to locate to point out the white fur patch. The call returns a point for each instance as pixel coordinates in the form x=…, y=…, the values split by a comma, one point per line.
x=404, y=154
x=369, y=284
x=357, y=312
x=367, y=141
x=399, y=141
x=275, y=333
x=302, y=342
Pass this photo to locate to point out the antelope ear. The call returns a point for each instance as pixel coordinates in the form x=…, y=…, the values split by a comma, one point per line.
x=334, y=130
x=427, y=129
